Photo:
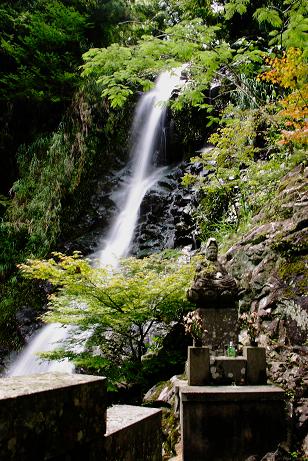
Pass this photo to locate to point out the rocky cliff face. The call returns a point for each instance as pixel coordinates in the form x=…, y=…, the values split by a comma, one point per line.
x=271, y=265
x=166, y=219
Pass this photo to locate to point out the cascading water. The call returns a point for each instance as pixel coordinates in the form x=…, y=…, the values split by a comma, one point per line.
x=147, y=126
x=46, y=339
x=149, y=118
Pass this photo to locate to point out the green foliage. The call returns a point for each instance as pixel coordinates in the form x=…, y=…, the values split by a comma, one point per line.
x=11, y=249
x=206, y=50
x=36, y=207
x=15, y=294
x=42, y=42
x=222, y=188
x=53, y=187
x=235, y=6
x=268, y=15
x=242, y=176
x=252, y=93
x=121, y=71
x=287, y=21
x=119, y=308
x=38, y=50
x=188, y=9
x=41, y=45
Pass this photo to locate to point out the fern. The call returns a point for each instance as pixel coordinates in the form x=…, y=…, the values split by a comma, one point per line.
x=268, y=15
x=236, y=6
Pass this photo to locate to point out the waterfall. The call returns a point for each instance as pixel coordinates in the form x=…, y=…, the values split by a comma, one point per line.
x=148, y=127
x=46, y=339
x=147, y=131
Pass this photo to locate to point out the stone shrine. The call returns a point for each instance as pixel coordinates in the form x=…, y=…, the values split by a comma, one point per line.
x=215, y=293
x=227, y=410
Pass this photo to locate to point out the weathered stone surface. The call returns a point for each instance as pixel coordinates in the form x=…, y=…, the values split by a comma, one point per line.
x=198, y=371
x=51, y=416
x=21, y=386
x=133, y=433
x=166, y=215
x=256, y=365
x=166, y=395
x=227, y=370
x=60, y=417
x=270, y=263
x=222, y=327
x=212, y=287
x=229, y=423
x=301, y=421
x=203, y=369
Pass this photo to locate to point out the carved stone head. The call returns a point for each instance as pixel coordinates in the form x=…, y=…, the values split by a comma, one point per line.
x=211, y=249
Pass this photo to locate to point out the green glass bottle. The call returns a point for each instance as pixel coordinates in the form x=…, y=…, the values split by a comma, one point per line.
x=231, y=352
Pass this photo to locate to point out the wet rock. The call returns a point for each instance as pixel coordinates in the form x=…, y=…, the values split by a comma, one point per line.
x=166, y=216
x=87, y=231
x=27, y=321
x=301, y=414
x=279, y=455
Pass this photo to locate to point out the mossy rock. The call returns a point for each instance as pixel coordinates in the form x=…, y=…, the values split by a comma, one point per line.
x=294, y=273
x=292, y=244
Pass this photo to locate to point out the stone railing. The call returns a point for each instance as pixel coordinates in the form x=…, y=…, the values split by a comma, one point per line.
x=65, y=417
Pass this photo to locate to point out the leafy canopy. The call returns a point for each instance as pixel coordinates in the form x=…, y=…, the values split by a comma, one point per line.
x=39, y=50
x=120, y=308
x=41, y=44
x=121, y=71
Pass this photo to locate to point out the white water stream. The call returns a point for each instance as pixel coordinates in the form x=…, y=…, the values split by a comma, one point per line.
x=148, y=122
x=46, y=339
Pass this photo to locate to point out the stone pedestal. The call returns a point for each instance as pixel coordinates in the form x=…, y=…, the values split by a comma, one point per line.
x=229, y=423
x=198, y=366
x=203, y=369
x=256, y=364
x=228, y=370
x=222, y=327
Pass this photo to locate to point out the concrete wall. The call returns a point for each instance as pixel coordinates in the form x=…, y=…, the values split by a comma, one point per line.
x=45, y=416
x=60, y=417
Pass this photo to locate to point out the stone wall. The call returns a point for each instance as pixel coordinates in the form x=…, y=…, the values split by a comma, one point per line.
x=47, y=416
x=61, y=417
x=133, y=433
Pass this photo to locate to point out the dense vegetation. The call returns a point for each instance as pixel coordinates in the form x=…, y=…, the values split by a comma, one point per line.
x=48, y=131
x=52, y=137
x=41, y=47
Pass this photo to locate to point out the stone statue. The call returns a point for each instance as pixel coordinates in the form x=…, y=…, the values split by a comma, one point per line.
x=213, y=287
